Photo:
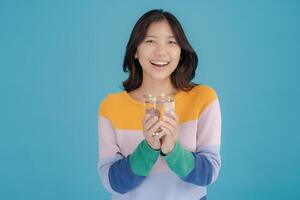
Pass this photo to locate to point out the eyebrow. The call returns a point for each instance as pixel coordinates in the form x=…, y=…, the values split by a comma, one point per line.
x=156, y=36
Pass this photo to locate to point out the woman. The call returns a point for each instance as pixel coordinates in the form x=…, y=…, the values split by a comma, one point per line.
x=179, y=162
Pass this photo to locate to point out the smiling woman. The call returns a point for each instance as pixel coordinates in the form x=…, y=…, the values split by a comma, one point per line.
x=158, y=37
x=170, y=155
x=159, y=53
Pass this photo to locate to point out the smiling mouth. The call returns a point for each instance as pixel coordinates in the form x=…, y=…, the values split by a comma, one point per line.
x=160, y=63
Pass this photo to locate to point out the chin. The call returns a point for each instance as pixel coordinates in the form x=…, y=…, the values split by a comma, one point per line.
x=161, y=78
x=158, y=75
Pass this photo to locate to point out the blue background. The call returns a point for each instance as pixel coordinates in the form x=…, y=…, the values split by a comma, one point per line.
x=60, y=58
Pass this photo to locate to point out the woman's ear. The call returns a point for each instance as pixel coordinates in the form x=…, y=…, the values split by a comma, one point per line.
x=135, y=55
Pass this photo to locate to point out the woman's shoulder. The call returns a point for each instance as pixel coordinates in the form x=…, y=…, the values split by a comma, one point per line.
x=114, y=97
x=110, y=102
x=204, y=92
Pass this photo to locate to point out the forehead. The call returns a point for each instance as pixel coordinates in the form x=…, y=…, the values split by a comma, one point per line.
x=160, y=29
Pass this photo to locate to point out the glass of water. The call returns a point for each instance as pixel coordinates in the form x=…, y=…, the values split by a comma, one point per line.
x=158, y=105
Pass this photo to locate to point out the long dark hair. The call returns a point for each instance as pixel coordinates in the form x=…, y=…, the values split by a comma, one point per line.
x=182, y=76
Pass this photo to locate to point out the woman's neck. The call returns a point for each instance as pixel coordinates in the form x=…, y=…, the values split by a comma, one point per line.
x=154, y=88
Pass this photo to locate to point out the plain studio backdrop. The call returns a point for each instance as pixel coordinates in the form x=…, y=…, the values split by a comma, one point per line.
x=59, y=59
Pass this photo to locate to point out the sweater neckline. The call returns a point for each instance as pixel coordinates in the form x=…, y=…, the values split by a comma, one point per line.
x=178, y=95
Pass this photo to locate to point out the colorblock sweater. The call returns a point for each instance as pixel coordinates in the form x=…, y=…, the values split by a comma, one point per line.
x=130, y=169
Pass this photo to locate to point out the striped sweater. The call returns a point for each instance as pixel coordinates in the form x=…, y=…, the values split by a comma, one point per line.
x=130, y=169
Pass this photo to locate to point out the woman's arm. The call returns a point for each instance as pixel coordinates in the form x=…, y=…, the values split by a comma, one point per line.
x=201, y=167
x=121, y=174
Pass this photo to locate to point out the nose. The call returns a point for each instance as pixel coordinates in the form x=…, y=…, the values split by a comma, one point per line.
x=160, y=50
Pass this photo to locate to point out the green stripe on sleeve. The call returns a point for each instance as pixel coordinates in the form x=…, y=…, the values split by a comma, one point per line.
x=143, y=158
x=180, y=160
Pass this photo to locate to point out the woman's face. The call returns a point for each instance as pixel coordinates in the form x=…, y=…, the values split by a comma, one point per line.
x=159, y=52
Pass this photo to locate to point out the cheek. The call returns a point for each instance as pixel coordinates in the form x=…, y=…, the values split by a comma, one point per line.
x=143, y=57
x=145, y=52
x=176, y=54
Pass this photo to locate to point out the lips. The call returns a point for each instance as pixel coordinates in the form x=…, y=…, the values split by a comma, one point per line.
x=159, y=63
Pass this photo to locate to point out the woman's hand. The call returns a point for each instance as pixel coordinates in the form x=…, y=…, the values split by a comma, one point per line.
x=169, y=125
x=151, y=124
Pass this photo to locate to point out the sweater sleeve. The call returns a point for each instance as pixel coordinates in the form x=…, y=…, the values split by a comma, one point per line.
x=120, y=174
x=201, y=167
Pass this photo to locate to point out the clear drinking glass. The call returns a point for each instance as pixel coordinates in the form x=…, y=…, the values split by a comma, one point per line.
x=158, y=105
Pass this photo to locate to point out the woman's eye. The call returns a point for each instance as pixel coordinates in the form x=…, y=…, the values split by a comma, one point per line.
x=149, y=41
x=173, y=42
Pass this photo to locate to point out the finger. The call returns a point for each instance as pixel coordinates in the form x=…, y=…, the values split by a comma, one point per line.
x=146, y=117
x=169, y=120
x=154, y=112
x=153, y=129
x=174, y=132
x=160, y=135
x=167, y=126
x=166, y=131
x=175, y=116
x=172, y=114
x=150, y=122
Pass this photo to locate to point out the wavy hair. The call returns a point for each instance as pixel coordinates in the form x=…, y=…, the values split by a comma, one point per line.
x=182, y=76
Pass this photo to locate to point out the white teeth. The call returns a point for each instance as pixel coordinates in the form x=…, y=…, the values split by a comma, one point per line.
x=159, y=62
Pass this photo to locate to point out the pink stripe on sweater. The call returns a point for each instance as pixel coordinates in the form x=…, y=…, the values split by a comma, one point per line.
x=106, y=138
x=209, y=126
